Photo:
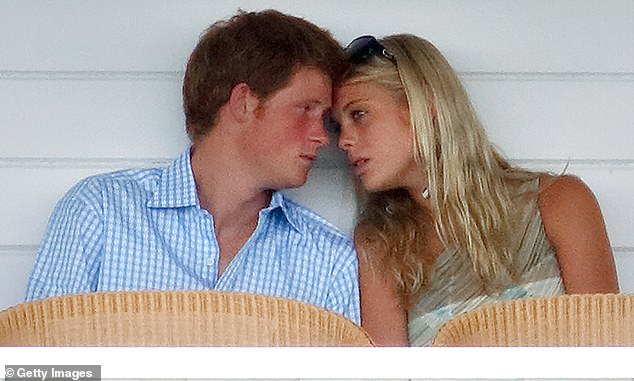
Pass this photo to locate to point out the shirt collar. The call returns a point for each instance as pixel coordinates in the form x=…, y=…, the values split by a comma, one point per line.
x=280, y=202
x=176, y=187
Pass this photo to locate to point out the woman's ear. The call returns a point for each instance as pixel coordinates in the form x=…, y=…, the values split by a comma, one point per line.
x=242, y=103
x=432, y=109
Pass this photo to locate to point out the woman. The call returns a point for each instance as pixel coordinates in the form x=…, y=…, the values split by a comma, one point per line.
x=446, y=223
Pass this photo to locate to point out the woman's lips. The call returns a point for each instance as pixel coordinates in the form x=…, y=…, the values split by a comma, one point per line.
x=360, y=166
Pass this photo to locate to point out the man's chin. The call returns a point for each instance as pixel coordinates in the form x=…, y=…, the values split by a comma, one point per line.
x=297, y=184
x=299, y=180
x=291, y=183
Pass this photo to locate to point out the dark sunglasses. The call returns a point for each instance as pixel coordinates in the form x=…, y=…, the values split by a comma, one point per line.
x=361, y=48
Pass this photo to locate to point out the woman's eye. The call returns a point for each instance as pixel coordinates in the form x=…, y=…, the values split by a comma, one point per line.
x=357, y=114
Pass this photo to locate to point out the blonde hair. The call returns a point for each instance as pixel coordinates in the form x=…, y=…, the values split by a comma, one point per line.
x=472, y=188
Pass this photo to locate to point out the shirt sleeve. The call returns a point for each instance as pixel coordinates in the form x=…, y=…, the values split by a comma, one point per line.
x=344, y=290
x=68, y=258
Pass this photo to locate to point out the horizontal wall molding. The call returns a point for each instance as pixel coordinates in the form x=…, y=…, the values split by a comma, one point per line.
x=577, y=163
x=84, y=163
x=91, y=75
x=178, y=76
x=548, y=76
x=18, y=250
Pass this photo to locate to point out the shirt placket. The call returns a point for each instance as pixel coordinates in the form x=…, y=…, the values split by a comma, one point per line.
x=212, y=252
x=230, y=277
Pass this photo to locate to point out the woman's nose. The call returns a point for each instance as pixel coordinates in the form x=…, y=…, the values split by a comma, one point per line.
x=346, y=139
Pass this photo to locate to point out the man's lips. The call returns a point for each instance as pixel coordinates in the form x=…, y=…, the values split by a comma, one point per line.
x=309, y=156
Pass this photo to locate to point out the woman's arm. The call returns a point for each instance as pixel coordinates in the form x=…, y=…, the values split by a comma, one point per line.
x=382, y=315
x=575, y=229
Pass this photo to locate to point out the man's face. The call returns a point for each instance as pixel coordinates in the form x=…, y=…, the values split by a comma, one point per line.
x=283, y=141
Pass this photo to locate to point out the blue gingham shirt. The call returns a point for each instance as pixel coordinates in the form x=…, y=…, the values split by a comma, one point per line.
x=144, y=229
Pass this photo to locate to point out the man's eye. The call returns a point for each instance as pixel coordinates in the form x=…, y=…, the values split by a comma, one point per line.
x=311, y=109
x=304, y=108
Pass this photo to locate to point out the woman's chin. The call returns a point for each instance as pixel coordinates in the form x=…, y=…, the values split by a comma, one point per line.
x=373, y=186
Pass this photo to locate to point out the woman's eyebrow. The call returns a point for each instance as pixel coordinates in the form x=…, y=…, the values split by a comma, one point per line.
x=354, y=101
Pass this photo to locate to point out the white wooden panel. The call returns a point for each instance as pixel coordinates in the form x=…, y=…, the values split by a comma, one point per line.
x=142, y=118
x=91, y=118
x=15, y=268
x=32, y=193
x=614, y=190
x=484, y=35
x=557, y=119
x=625, y=268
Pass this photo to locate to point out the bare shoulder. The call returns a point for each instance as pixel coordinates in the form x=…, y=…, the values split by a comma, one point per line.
x=565, y=196
x=566, y=205
x=565, y=188
x=575, y=229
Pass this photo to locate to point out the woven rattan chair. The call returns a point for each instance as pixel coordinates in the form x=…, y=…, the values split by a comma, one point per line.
x=568, y=320
x=175, y=318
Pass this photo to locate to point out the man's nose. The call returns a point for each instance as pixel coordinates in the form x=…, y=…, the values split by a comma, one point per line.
x=318, y=132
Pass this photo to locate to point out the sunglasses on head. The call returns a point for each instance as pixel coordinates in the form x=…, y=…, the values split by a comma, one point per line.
x=362, y=48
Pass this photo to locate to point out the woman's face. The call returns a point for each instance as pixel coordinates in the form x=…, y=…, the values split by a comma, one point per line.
x=376, y=135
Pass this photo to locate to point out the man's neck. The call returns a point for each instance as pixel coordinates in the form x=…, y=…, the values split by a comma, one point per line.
x=226, y=190
x=223, y=185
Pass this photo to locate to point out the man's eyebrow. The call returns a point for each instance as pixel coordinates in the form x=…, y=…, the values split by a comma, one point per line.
x=313, y=101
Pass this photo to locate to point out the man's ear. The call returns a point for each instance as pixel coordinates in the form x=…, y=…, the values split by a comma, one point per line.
x=242, y=102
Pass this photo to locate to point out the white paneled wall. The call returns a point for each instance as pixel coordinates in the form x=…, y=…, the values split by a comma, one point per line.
x=89, y=86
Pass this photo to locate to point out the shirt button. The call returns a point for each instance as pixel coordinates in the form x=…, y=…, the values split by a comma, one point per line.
x=210, y=262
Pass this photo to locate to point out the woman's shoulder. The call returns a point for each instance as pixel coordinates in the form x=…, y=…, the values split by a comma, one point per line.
x=575, y=229
x=547, y=180
x=568, y=209
x=559, y=193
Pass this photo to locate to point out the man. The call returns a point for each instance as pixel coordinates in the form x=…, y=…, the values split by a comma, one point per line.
x=255, y=91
